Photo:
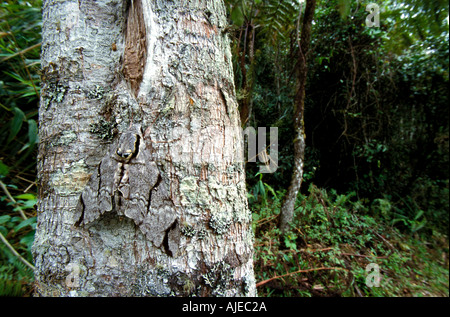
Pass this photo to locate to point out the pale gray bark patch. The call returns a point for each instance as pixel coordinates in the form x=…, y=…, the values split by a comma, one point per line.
x=287, y=211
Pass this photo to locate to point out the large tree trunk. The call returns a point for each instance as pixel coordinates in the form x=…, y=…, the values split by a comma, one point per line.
x=109, y=66
x=287, y=210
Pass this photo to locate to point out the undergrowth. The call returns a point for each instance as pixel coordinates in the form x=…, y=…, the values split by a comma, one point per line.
x=20, y=37
x=337, y=245
x=17, y=235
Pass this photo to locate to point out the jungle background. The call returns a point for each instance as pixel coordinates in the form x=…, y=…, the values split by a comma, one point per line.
x=376, y=173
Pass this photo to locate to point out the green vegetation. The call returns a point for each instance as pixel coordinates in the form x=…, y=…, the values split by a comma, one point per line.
x=376, y=178
x=375, y=186
x=20, y=35
x=332, y=241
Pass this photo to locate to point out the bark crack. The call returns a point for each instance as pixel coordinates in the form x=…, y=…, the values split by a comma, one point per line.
x=166, y=240
x=135, y=53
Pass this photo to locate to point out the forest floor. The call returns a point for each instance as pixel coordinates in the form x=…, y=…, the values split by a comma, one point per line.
x=336, y=249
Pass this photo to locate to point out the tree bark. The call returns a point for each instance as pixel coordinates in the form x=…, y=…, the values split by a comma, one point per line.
x=287, y=210
x=165, y=66
x=248, y=73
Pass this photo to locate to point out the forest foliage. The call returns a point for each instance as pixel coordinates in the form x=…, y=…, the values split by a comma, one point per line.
x=376, y=181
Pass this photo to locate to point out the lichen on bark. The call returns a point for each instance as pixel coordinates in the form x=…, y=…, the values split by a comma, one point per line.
x=183, y=97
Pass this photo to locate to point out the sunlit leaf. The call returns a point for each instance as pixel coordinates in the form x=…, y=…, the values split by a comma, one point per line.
x=25, y=196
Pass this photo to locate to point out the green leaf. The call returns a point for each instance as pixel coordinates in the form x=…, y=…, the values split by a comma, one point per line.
x=4, y=219
x=29, y=222
x=26, y=204
x=261, y=189
x=25, y=196
x=270, y=189
x=4, y=169
x=237, y=16
x=32, y=132
x=16, y=123
x=28, y=239
x=16, y=219
x=419, y=214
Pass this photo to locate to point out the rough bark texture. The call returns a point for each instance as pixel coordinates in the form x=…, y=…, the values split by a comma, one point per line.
x=287, y=210
x=102, y=75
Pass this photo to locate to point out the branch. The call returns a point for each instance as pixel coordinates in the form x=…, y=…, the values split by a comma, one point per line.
x=299, y=271
x=11, y=248
x=366, y=256
x=21, y=52
x=22, y=214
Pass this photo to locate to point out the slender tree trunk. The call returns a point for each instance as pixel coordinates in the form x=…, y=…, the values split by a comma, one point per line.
x=247, y=73
x=165, y=67
x=287, y=210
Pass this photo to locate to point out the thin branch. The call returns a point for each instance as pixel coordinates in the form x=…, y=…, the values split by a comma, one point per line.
x=11, y=248
x=20, y=53
x=387, y=242
x=298, y=27
x=299, y=271
x=266, y=220
x=365, y=256
x=22, y=214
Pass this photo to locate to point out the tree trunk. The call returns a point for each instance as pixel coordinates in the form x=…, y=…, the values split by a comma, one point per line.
x=287, y=210
x=142, y=186
x=248, y=73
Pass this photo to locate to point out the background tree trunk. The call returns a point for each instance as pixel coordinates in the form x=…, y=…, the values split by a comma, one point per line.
x=287, y=210
x=166, y=66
